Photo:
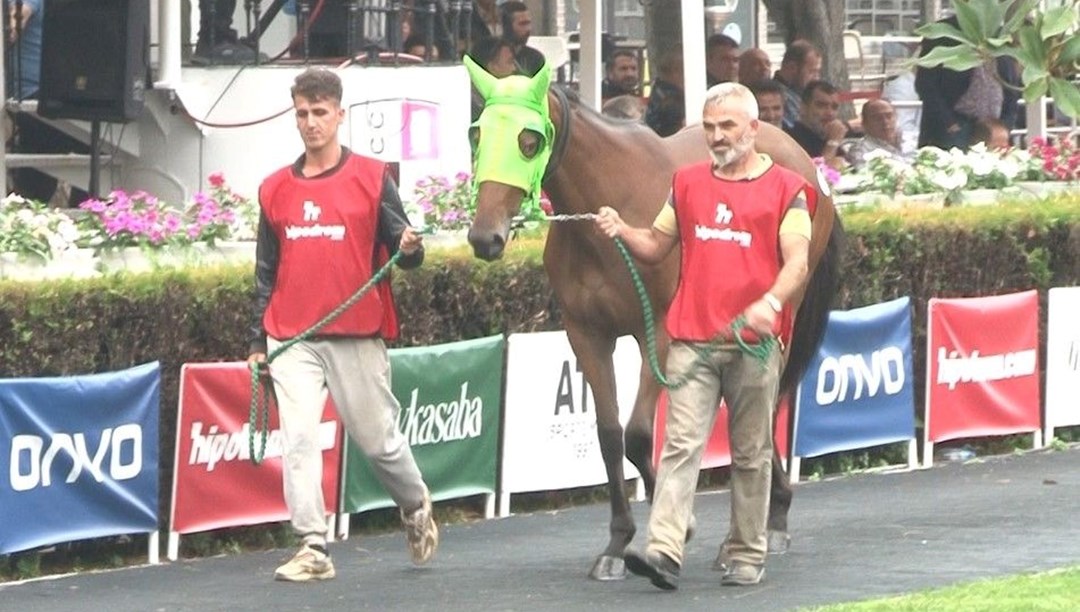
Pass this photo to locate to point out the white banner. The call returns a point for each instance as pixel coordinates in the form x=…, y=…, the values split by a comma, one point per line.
x=549, y=422
x=1062, y=359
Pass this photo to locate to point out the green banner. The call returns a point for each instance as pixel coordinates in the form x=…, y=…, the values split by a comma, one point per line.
x=450, y=396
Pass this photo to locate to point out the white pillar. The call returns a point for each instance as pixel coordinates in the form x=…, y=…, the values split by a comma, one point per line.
x=589, y=54
x=693, y=34
x=1036, y=119
x=169, y=35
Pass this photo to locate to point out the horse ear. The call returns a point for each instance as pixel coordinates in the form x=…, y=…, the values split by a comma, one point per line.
x=541, y=81
x=482, y=79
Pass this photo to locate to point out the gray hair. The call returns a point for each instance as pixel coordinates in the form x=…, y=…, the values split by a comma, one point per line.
x=720, y=92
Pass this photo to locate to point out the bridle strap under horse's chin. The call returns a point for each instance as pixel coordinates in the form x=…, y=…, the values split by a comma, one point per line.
x=562, y=134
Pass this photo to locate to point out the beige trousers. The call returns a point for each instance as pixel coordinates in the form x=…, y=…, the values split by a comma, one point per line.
x=356, y=373
x=749, y=387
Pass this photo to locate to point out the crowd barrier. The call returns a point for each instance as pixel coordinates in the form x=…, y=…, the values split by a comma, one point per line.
x=90, y=442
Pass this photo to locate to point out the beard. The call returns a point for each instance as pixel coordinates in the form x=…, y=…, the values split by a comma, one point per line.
x=736, y=152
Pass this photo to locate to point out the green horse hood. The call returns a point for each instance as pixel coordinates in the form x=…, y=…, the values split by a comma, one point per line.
x=512, y=104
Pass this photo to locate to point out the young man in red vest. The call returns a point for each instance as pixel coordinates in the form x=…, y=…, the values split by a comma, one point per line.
x=743, y=224
x=327, y=223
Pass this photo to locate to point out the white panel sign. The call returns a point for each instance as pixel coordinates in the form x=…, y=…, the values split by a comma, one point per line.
x=1063, y=359
x=549, y=423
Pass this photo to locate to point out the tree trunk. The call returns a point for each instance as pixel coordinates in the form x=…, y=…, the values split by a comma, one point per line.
x=663, y=22
x=822, y=23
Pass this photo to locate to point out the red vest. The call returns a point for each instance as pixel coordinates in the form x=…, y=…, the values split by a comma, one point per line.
x=730, y=247
x=326, y=228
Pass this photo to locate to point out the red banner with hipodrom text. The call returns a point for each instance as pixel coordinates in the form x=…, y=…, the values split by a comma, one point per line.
x=982, y=366
x=215, y=484
x=717, y=449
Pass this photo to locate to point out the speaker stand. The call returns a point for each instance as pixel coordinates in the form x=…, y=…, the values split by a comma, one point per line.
x=95, y=158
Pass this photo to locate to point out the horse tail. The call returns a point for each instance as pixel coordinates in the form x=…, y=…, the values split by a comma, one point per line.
x=814, y=310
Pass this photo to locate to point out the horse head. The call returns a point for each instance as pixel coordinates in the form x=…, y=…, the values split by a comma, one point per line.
x=512, y=142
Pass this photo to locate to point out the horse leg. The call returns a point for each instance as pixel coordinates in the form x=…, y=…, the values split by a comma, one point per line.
x=594, y=352
x=779, y=504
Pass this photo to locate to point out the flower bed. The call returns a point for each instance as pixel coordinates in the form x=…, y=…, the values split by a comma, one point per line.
x=974, y=177
x=125, y=232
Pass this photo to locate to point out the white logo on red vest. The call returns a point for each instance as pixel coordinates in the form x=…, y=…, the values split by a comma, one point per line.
x=723, y=214
x=311, y=211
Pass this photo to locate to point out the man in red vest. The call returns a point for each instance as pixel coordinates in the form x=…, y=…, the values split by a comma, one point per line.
x=743, y=223
x=327, y=223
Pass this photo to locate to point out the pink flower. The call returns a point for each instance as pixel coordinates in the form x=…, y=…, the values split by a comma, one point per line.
x=216, y=179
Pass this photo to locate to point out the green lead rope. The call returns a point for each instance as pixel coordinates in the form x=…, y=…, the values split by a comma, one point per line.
x=760, y=351
x=259, y=369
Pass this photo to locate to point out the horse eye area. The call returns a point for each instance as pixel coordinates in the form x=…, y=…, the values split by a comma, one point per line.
x=529, y=143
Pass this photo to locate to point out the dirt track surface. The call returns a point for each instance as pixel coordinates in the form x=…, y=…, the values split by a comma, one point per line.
x=855, y=537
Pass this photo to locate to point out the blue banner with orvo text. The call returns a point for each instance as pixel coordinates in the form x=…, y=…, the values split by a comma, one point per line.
x=858, y=391
x=78, y=457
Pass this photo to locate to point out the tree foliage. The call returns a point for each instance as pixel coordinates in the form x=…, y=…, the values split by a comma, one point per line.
x=1046, y=44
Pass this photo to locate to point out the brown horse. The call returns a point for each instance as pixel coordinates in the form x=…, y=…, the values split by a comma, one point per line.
x=599, y=161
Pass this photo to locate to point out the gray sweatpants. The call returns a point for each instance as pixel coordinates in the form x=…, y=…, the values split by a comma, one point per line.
x=356, y=373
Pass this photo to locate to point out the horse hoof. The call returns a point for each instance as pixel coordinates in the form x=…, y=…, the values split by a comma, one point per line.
x=608, y=568
x=779, y=542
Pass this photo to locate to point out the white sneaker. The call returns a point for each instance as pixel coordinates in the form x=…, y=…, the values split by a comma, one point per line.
x=421, y=532
x=307, y=564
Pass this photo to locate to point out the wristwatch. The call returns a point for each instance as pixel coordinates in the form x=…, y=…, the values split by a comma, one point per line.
x=773, y=302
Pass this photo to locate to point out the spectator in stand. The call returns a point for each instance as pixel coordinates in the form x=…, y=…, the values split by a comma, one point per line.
x=991, y=132
x=516, y=23
x=770, y=100
x=721, y=59
x=623, y=76
x=954, y=100
x=819, y=130
x=414, y=45
x=665, y=113
x=217, y=42
x=627, y=106
x=800, y=66
x=881, y=133
x=754, y=67
x=22, y=52
x=485, y=20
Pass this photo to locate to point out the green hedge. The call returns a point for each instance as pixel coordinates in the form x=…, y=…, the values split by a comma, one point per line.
x=111, y=323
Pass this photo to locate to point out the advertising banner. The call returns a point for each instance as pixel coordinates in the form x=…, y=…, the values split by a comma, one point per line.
x=215, y=484
x=982, y=366
x=549, y=432
x=1063, y=359
x=79, y=457
x=449, y=397
x=858, y=390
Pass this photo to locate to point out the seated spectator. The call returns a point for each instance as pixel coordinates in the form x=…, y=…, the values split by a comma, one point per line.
x=217, y=42
x=754, y=67
x=721, y=59
x=666, y=112
x=991, y=132
x=800, y=66
x=516, y=23
x=414, y=45
x=770, y=100
x=622, y=74
x=627, y=106
x=882, y=133
x=819, y=129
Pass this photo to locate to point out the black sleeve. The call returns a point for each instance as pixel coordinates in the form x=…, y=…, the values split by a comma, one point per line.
x=392, y=223
x=267, y=250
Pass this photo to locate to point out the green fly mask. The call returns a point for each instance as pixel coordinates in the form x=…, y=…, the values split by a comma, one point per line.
x=513, y=137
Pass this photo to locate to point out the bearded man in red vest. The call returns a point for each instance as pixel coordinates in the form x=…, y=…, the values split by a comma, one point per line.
x=327, y=223
x=743, y=224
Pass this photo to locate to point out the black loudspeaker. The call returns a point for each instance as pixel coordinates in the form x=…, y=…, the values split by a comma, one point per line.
x=94, y=59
